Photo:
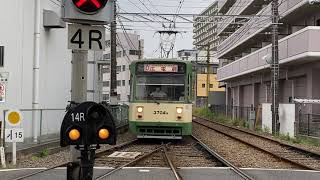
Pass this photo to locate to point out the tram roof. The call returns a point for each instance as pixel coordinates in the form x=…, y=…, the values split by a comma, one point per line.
x=159, y=60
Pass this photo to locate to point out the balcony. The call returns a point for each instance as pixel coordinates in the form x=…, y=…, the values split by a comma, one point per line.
x=255, y=27
x=298, y=47
x=224, y=5
x=230, y=22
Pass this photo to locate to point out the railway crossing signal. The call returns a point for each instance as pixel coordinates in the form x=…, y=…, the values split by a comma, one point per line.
x=92, y=12
x=90, y=6
x=88, y=124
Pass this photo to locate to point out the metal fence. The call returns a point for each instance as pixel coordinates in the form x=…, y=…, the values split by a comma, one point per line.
x=48, y=124
x=121, y=114
x=235, y=112
x=309, y=124
x=50, y=120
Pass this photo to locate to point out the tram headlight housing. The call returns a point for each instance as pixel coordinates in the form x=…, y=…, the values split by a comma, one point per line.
x=140, y=109
x=179, y=110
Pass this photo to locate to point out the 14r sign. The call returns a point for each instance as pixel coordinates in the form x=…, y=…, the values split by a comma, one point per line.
x=81, y=37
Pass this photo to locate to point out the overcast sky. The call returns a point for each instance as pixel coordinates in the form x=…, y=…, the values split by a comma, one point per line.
x=183, y=40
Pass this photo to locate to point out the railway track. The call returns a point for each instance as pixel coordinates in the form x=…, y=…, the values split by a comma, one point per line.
x=190, y=152
x=177, y=154
x=298, y=156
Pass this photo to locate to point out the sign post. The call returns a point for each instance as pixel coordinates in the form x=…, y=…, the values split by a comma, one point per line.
x=2, y=92
x=14, y=135
x=84, y=35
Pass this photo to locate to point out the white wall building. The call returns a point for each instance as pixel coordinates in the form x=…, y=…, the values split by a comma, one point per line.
x=129, y=48
x=50, y=88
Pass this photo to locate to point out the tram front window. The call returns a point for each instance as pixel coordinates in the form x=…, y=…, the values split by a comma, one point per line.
x=166, y=87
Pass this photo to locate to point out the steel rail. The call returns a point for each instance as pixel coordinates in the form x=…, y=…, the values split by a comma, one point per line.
x=99, y=154
x=223, y=160
x=172, y=167
x=259, y=148
x=265, y=137
x=131, y=162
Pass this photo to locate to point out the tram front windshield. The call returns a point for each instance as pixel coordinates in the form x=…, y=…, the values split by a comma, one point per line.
x=160, y=86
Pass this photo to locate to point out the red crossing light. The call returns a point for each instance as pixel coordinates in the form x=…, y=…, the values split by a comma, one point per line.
x=89, y=6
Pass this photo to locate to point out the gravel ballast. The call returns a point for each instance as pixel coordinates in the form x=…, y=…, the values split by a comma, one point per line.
x=239, y=154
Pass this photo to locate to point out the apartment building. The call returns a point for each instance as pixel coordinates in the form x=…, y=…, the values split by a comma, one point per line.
x=188, y=54
x=129, y=48
x=205, y=31
x=246, y=47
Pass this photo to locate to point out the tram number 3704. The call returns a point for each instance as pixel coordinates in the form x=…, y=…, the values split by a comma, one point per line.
x=160, y=112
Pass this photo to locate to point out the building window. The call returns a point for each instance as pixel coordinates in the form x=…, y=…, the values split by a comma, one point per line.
x=118, y=82
x=124, y=52
x=106, y=83
x=106, y=69
x=119, y=54
x=118, y=69
x=203, y=70
x=124, y=68
x=318, y=22
x=203, y=85
x=123, y=82
x=1, y=56
x=134, y=52
x=119, y=97
x=105, y=97
x=215, y=70
x=106, y=56
x=211, y=86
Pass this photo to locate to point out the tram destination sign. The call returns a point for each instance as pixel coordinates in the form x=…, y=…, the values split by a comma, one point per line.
x=160, y=68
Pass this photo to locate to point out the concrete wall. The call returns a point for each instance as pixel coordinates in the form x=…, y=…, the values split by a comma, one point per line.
x=286, y=118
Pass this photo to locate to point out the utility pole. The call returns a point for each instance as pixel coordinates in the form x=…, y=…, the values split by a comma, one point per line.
x=140, y=51
x=208, y=74
x=275, y=69
x=196, y=80
x=113, y=83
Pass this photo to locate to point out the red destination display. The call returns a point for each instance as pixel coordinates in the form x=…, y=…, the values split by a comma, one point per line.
x=89, y=6
x=160, y=68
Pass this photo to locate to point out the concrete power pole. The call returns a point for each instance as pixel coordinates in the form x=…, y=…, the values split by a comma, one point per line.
x=78, y=92
x=275, y=69
x=208, y=74
x=113, y=84
x=196, y=81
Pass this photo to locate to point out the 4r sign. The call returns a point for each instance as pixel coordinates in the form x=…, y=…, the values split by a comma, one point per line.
x=81, y=37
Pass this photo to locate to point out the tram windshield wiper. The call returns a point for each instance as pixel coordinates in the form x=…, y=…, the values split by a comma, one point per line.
x=154, y=100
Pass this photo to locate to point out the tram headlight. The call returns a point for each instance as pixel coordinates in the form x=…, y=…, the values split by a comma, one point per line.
x=179, y=110
x=140, y=109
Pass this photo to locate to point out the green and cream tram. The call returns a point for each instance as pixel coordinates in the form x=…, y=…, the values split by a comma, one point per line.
x=160, y=100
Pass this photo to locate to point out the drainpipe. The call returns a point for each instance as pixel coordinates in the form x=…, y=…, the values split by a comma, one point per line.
x=36, y=69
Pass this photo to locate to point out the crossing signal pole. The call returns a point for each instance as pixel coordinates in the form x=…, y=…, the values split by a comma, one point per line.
x=83, y=14
x=275, y=68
